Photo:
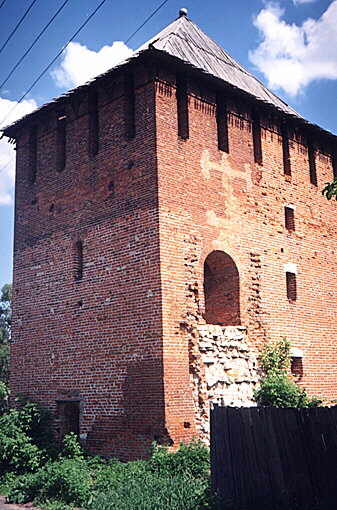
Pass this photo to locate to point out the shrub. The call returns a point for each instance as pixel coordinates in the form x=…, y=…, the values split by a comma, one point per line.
x=191, y=459
x=151, y=491
x=66, y=480
x=4, y=392
x=71, y=447
x=17, y=451
x=277, y=389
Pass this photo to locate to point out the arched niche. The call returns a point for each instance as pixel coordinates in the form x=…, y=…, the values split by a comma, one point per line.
x=221, y=290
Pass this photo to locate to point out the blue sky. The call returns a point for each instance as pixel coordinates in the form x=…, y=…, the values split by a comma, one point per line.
x=291, y=45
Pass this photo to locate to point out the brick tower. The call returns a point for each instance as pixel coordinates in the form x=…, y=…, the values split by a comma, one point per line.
x=169, y=221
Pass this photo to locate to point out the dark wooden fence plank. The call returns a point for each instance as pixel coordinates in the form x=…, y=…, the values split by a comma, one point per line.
x=274, y=459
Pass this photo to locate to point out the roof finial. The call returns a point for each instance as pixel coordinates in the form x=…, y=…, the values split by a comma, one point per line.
x=182, y=12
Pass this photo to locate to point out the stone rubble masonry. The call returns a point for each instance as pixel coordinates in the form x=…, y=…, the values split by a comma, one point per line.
x=126, y=340
x=224, y=371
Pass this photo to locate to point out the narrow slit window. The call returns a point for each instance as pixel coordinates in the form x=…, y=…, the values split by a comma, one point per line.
x=291, y=286
x=93, y=123
x=257, y=142
x=33, y=155
x=312, y=165
x=334, y=165
x=78, y=260
x=129, y=98
x=61, y=143
x=289, y=216
x=182, y=108
x=222, y=124
x=286, y=152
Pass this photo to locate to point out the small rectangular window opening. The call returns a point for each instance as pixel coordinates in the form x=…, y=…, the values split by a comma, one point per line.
x=129, y=102
x=289, y=215
x=222, y=124
x=257, y=142
x=33, y=155
x=182, y=107
x=93, y=123
x=286, y=152
x=291, y=286
x=61, y=143
x=312, y=165
x=78, y=260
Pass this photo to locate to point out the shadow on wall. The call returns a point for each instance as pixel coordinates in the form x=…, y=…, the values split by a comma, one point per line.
x=139, y=417
x=221, y=290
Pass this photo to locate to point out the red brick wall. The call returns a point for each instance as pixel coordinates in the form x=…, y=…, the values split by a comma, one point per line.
x=210, y=200
x=97, y=339
x=149, y=211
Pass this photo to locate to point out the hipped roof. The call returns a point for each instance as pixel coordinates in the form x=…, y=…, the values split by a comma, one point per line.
x=187, y=44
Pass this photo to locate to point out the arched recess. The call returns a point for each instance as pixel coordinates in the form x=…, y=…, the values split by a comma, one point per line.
x=221, y=290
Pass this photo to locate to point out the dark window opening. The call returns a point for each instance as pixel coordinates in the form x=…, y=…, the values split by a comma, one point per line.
x=61, y=143
x=129, y=102
x=93, y=123
x=221, y=290
x=291, y=286
x=296, y=368
x=33, y=155
x=334, y=165
x=286, y=152
x=257, y=142
x=69, y=416
x=222, y=124
x=78, y=260
x=182, y=107
x=289, y=215
x=312, y=165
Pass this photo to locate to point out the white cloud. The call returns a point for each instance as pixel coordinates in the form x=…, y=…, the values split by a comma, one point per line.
x=80, y=64
x=292, y=56
x=7, y=153
x=296, y=2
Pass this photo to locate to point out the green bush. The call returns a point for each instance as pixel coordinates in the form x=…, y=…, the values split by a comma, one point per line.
x=151, y=491
x=170, y=481
x=191, y=459
x=277, y=389
x=26, y=440
x=66, y=480
x=71, y=447
x=4, y=392
x=17, y=451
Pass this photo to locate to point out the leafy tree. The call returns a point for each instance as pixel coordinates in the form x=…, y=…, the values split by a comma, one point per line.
x=5, y=330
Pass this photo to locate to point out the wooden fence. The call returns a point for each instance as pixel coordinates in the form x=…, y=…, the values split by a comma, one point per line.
x=274, y=459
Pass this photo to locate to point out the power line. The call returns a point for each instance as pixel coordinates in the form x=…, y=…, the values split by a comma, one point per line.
x=53, y=61
x=17, y=25
x=147, y=19
x=67, y=44
x=33, y=43
x=2, y=3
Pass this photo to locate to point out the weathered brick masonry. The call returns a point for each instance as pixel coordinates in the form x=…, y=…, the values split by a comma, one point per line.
x=131, y=237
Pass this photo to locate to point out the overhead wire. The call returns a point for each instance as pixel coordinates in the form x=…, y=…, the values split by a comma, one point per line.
x=17, y=25
x=43, y=72
x=147, y=19
x=33, y=43
x=2, y=3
